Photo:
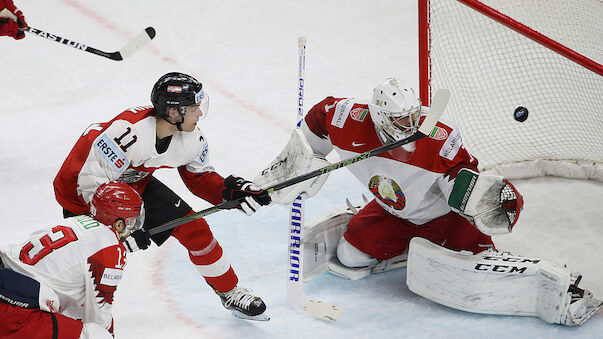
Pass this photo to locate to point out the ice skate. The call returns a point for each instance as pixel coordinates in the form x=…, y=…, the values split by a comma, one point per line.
x=583, y=305
x=243, y=304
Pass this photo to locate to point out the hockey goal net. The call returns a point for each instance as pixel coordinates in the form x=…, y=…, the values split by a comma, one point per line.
x=498, y=55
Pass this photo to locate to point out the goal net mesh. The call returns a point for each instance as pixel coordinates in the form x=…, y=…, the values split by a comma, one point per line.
x=491, y=70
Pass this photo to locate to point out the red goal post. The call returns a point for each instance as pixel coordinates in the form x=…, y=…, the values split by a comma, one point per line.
x=497, y=55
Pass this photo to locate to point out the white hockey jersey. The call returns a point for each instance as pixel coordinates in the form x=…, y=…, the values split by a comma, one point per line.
x=415, y=188
x=124, y=149
x=81, y=260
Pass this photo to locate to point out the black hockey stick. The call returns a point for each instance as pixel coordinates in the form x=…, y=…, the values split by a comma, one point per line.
x=130, y=48
x=440, y=100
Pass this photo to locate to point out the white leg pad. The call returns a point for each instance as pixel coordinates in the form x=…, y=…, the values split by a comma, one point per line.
x=493, y=283
x=354, y=264
x=321, y=237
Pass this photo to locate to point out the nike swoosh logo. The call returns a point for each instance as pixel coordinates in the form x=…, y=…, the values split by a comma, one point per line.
x=355, y=144
x=178, y=203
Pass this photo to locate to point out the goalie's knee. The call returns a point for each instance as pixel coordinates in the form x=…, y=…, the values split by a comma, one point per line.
x=350, y=256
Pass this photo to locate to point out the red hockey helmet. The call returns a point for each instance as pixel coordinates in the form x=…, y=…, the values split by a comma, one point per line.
x=115, y=200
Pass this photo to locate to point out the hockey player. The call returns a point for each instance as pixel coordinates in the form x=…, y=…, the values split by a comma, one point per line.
x=430, y=188
x=134, y=144
x=69, y=272
x=12, y=21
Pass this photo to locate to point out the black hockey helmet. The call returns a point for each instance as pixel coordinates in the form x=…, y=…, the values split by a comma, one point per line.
x=176, y=90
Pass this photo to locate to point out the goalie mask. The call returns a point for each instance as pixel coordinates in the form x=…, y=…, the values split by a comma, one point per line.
x=178, y=90
x=395, y=110
x=115, y=200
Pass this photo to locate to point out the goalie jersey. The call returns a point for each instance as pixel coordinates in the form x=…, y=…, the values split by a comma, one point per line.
x=412, y=185
x=124, y=149
x=81, y=261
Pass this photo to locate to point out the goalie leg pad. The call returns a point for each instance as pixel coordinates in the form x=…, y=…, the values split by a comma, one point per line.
x=496, y=283
x=321, y=237
x=372, y=266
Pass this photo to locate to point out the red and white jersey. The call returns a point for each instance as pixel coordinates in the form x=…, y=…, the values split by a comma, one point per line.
x=81, y=260
x=414, y=189
x=124, y=149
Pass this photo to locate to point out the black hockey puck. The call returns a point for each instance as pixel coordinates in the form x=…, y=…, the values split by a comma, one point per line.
x=520, y=114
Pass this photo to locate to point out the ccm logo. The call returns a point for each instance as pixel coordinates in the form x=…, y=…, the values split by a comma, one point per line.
x=500, y=268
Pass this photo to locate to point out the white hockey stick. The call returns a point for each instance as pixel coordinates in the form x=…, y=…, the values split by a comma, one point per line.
x=296, y=297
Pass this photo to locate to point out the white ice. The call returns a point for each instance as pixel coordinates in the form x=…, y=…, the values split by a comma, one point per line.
x=245, y=53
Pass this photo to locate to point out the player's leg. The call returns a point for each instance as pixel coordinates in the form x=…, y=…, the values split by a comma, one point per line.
x=17, y=322
x=163, y=205
x=377, y=240
x=369, y=252
x=454, y=232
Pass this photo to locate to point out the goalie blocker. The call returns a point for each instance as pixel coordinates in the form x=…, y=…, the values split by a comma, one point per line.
x=492, y=282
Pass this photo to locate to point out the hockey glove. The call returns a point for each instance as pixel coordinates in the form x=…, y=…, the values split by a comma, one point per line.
x=295, y=159
x=12, y=21
x=138, y=240
x=490, y=201
x=252, y=196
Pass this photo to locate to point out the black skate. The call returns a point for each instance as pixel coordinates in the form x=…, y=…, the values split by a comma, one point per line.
x=243, y=304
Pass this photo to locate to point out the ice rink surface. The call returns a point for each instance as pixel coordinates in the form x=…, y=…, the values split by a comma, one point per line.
x=245, y=54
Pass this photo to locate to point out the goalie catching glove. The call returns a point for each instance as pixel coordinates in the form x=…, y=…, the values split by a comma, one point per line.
x=252, y=196
x=491, y=202
x=295, y=159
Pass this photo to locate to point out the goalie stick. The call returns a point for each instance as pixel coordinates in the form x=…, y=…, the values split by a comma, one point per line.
x=440, y=100
x=296, y=297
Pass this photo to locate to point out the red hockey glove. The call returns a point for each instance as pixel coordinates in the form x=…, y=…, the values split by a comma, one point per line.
x=254, y=197
x=12, y=21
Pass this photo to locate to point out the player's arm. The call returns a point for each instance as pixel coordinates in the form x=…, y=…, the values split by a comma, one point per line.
x=489, y=201
x=102, y=272
x=305, y=152
x=109, y=156
x=201, y=179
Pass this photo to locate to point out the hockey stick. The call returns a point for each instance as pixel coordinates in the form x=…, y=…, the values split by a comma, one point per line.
x=296, y=297
x=440, y=100
x=130, y=48
x=134, y=45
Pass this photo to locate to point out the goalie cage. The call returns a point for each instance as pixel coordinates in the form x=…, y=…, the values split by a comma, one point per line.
x=497, y=55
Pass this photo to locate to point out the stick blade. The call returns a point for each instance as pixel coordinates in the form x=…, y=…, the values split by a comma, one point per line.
x=324, y=311
x=138, y=42
x=438, y=105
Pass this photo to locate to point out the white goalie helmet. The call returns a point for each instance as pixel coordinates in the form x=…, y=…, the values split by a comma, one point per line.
x=395, y=110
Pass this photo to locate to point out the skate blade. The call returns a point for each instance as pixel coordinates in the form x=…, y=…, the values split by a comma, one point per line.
x=259, y=317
